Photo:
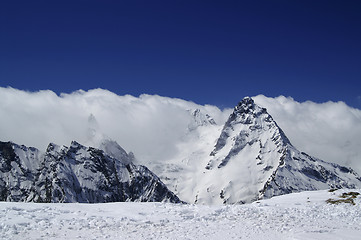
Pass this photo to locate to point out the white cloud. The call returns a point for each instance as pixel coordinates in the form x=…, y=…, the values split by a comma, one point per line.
x=148, y=125
x=151, y=126
x=330, y=131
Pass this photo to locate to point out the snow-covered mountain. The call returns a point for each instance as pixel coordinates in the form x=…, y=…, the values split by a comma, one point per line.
x=246, y=159
x=76, y=174
x=253, y=159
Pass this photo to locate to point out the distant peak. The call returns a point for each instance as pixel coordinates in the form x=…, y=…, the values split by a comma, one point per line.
x=113, y=149
x=200, y=119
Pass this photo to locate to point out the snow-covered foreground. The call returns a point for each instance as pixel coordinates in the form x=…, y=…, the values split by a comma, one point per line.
x=295, y=216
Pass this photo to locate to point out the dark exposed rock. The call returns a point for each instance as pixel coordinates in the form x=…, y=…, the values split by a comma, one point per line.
x=75, y=174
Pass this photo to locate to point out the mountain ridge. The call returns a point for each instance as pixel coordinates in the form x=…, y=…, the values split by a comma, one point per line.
x=75, y=174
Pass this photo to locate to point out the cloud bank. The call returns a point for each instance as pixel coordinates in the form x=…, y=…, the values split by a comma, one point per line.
x=151, y=125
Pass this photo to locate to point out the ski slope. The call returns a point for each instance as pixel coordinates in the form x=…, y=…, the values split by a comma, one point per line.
x=303, y=215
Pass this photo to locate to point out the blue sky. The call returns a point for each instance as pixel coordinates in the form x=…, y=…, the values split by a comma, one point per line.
x=210, y=52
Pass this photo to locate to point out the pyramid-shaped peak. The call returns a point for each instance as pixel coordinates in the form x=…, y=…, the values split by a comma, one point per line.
x=248, y=124
x=247, y=105
x=247, y=100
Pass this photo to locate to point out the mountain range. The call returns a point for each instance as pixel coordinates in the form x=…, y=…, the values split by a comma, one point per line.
x=76, y=174
x=245, y=159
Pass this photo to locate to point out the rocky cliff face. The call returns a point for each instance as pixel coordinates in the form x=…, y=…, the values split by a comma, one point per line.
x=76, y=174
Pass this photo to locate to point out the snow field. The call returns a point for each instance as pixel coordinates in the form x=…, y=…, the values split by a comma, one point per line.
x=303, y=215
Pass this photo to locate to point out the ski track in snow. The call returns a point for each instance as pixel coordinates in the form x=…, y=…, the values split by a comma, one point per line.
x=303, y=215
